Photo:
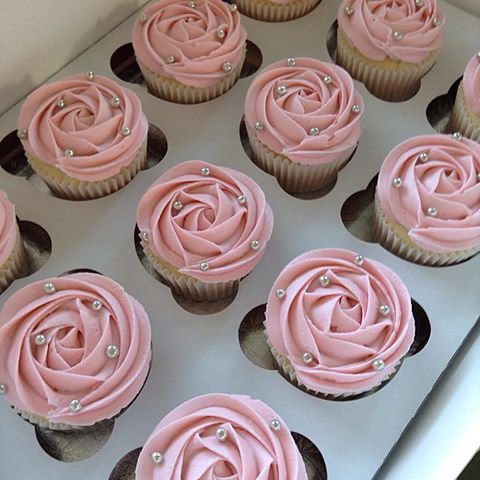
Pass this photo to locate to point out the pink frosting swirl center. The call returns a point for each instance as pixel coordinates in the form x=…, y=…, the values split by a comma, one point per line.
x=471, y=84
x=338, y=321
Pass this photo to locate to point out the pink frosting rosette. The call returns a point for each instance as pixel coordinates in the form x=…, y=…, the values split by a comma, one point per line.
x=190, y=41
x=305, y=109
x=210, y=222
x=430, y=185
x=74, y=350
x=405, y=30
x=471, y=84
x=87, y=126
x=342, y=321
x=221, y=437
x=8, y=227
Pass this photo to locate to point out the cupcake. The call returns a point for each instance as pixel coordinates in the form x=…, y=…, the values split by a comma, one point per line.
x=74, y=351
x=338, y=324
x=221, y=436
x=427, y=202
x=13, y=256
x=85, y=135
x=204, y=228
x=389, y=46
x=189, y=51
x=466, y=110
x=276, y=10
x=303, y=122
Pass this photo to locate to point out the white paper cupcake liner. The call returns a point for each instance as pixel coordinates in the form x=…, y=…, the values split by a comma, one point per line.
x=43, y=422
x=288, y=371
x=16, y=265
x=273, y=12
x=174, y=91
x=389, y=79
x=188, y=286
x=295, y=177
x=463, y=120
x=72, y=189
x=394, y=237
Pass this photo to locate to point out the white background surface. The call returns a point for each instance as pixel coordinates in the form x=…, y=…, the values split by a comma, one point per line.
x=18, y=449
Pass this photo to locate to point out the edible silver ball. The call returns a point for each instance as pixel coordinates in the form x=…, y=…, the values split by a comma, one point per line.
x=255, y=244
x=68, y=152
x=112, y=351
x=191, y=4
x=397, y=182
x=115, y=102
x=281, y=89
x=144, y=236
x=259, y=126
x=275, y=425
x=397, y=36
x=97, y=305
x=241, y=199
x=177, y=205
x=170, y=59
x=22, y=133
x=307, y=358
x=384, y=309
x=478, y=176
x=457, y=136
x=227, y=67
x=419, y=3
x=126, y=131
x=221, y=33
x=143, y=18
x=205, y=171
x=75, y=406
x=221, y=434
x=324, y=281
x=358, y=259
x=49, y=288
x=60, y=103
x=157, y=457
x=40, y=339
x=424, y=157
x=349, y=10
x=356, y=108
x=90, y=75
x=378, y=364
x=232, y=7
x=432, y=212
x=3, y=389
x=436, y=21
x=204, y=266
x=314, y=131
x=327, y=79
x=291, y=62
x=280, y=293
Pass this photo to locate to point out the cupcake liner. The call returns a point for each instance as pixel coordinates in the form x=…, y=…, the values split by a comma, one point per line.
x=388, y=79
x=463, y=120
x=174, y=91
x=295, y=177
x=16, y=265
x=394, y=237
x=73, y=189
x=287, y=370
x=273, y=12
x=188, y=286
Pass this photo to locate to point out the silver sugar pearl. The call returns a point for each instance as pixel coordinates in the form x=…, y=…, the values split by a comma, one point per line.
x=478, y=176
x=143, y=18
x=115, y=102
x=112, y=351
x=60, y=103
x=3, y=389
x=281, y=89
x=233, y=7
x=204, y=266
x=478, y=56
x=221, y=33
x=241, y=199
x=384, y=309
x=356, y=108
x=397, y=36
x=349, y=10
x=97, y=305
x=144, y=236
x=436, y=21
x=432, y=212
x=22, y=133
x=378, y=364
x=275, y=425
x=205, y=171
x=397, y=182
x=191, y=4
x=227, y=67
x=126, y=131
x=68, y=152
x=358, y=259
x=314, y=131
x=307, y=357
x=157, y=457
x=259, y=126
x=255, y=244
x=75, y=406
x=291, y=62
x=423, y=157
x=324, y=281
x=40, y=339
x=419, y=3
x=90, y=75
x=170, y=59
x=177, y=205
x=280, y=293
x=49, y=288
x=221, y=434
x=327, y=79
x=457, y=136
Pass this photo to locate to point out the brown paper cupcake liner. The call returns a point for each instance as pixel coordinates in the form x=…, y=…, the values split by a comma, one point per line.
x=295, y=177
x=463, y=120
x=16, y=265
x=388, y=79
x=174, y=91
x=287, y=370
x=73, y=189
x=273, y=12
x=394, y=237
x=188, y=286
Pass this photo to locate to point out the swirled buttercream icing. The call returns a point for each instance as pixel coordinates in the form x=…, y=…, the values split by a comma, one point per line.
x=305, y=109
x=198, y=213
x=221, y=437
x=471, y=84
x=430, y=185
x=190, y=41
x=343, y=321
x=89, y=127
x=8, y=227
x=405, y=30
x=74, y=349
